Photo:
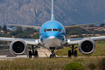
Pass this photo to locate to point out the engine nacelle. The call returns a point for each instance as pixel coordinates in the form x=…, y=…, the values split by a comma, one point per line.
x=17, y=47
x=87, y=46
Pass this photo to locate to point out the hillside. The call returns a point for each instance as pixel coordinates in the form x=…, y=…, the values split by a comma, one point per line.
x=36, y=12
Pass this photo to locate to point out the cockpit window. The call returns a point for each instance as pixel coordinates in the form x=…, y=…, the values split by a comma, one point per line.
x=48, y=29
x=59, y=30
x=44, y=30
x=55, y=29
x=52, y=30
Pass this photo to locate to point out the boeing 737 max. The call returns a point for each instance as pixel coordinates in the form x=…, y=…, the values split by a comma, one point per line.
x=52, y=37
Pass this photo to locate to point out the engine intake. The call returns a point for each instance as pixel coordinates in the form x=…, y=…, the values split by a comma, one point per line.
x=87, y=46
x=17, y=47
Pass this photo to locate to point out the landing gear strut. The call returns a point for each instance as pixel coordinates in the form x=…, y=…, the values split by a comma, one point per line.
x=52, y=53
x=72, y=52
x=33, y=52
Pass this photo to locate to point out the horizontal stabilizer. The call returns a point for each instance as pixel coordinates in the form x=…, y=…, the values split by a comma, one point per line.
x=37, y=27
x=79, y=25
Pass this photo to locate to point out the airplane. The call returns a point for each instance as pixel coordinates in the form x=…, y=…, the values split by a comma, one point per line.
x=52, y=36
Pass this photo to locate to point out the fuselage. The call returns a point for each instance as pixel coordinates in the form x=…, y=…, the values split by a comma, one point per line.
x=52, y=34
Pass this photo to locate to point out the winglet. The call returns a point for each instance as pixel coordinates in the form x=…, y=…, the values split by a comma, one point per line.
x=52, y=10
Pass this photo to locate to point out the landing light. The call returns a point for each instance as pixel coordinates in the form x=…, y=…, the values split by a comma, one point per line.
x=68, y=40
x=36, y=41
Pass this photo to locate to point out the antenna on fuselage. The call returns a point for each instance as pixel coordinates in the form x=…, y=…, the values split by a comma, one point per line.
x=52, y=10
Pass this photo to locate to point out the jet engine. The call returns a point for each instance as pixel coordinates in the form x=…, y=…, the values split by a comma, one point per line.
x=87, y=46
x=17, y=47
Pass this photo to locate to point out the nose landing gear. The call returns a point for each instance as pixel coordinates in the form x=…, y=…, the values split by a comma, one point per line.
x=52, y=52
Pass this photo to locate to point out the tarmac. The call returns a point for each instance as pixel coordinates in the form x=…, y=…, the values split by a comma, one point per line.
x=42, y=53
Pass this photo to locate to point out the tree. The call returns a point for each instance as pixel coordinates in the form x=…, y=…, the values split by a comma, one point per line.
x=19, y=29
x=0, y=27
x=5, y=28
x=1, y=35
x=36, y=36
x=91, y=25
x=72, y=24
x=102, y=25
x=23, y=35
x=30, y=30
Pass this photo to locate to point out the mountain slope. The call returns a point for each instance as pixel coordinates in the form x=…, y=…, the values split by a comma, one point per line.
x=37, y=12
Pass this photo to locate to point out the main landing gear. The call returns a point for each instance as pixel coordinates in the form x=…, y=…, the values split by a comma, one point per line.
x=33, y=52
x=72, y=52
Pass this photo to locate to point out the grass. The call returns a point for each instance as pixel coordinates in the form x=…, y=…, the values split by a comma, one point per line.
x=100, y=50
x=47, y=63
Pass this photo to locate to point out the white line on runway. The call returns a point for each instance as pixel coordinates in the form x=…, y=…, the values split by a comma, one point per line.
x=3, y=55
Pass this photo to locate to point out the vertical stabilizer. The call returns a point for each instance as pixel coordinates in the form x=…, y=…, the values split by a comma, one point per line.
x=52, y=10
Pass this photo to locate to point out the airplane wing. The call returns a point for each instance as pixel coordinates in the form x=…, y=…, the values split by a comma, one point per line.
x=85, y=45
x=37, y=27
x=77, y=40
x=28, y=41
x=79, y=25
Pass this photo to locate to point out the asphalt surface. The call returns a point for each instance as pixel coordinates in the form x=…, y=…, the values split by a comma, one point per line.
x=41, y=52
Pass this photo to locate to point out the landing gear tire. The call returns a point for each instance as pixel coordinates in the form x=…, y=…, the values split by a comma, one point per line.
x=52, y=53
x=75, y=53
x=30, y=54
x=36, y=54
x=69, y=54
x=52, y=56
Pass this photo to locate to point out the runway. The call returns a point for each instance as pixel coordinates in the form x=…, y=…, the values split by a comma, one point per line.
x=41, y=52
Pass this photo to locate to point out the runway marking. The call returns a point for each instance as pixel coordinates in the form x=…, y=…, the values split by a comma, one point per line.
x=21, y=56
x=3, y=55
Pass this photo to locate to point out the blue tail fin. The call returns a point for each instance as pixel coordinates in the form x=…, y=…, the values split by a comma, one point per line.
x=52, y=10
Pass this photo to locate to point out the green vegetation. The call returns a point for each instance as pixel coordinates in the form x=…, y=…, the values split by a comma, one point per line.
x=92, y=66
x=73, y=66
x=51, y=63
x=5, y=28
x=102, y=64
x=76, y=31
x=19, y=33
